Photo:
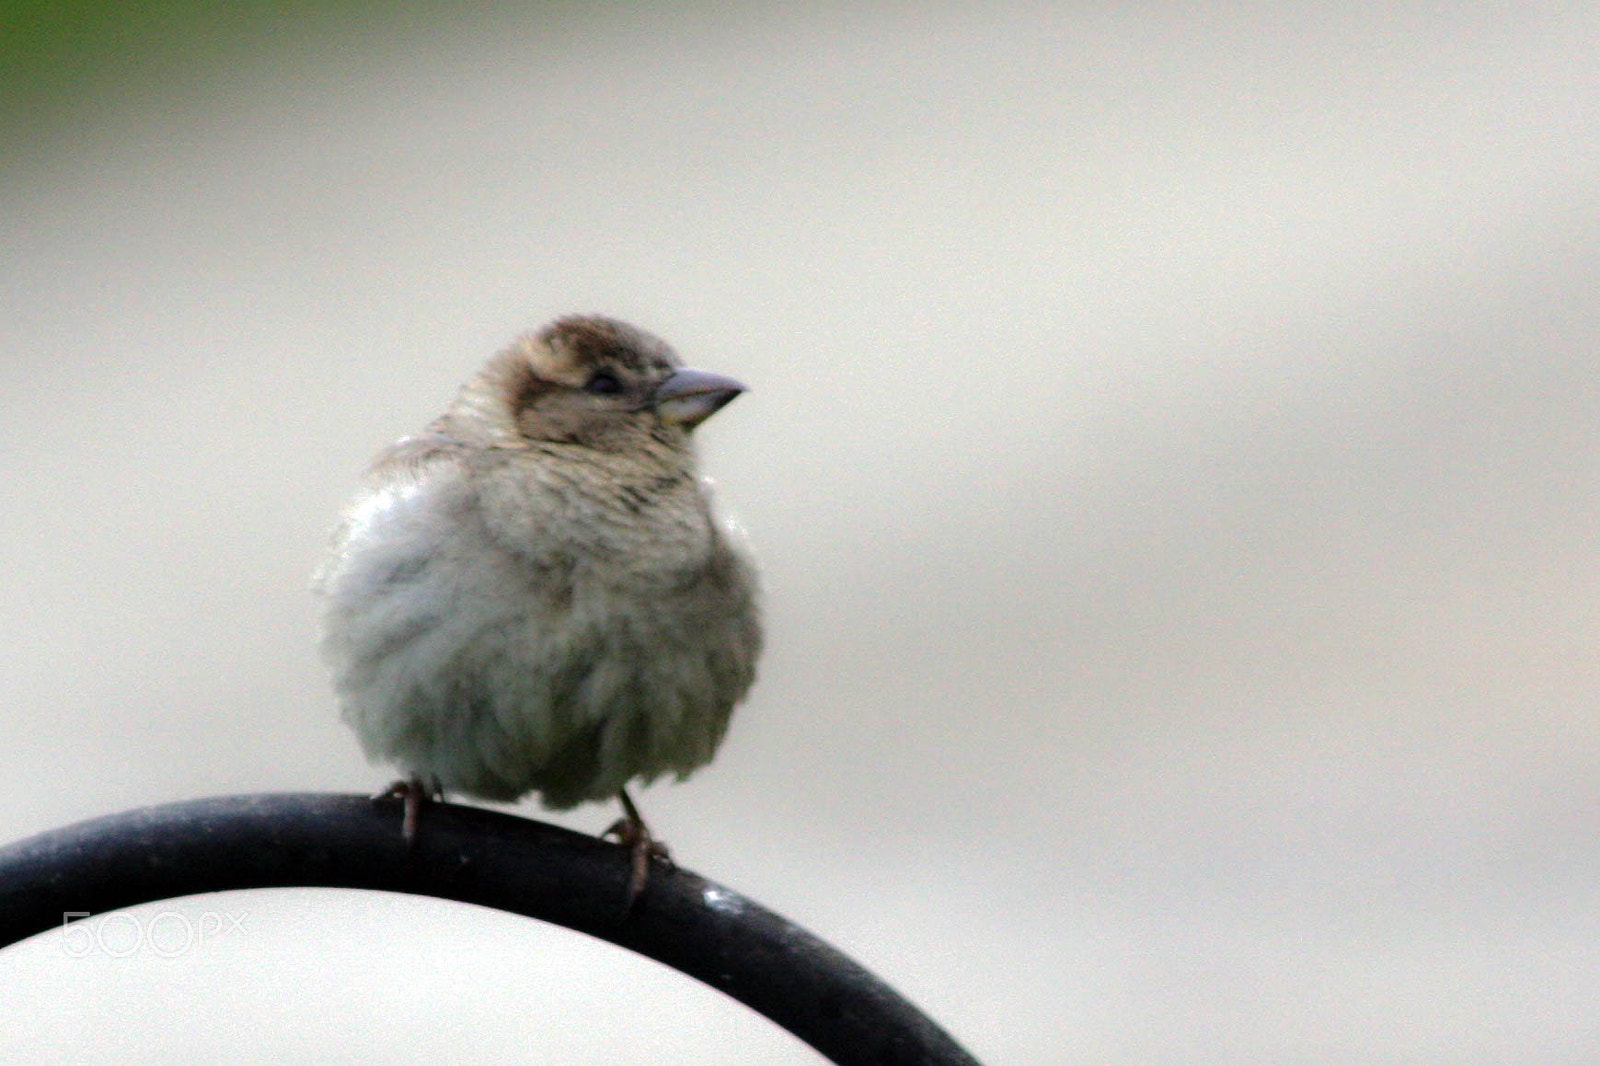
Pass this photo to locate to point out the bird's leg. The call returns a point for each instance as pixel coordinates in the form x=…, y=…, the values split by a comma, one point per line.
x=413, y=792
x=633, y=834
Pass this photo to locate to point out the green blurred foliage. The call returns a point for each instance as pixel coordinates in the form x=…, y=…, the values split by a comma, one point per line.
x=67, y=62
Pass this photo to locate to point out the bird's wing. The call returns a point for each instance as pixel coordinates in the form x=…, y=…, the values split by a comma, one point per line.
x=396, y=483
x=411, y=459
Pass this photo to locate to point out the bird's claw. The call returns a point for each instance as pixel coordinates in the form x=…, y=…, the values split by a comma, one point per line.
x=413, y=793
x=643, y=849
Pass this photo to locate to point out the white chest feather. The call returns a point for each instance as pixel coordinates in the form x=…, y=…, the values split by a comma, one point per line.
x=473, y=642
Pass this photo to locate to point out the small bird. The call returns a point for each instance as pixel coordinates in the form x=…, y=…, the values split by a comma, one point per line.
x=533, y=594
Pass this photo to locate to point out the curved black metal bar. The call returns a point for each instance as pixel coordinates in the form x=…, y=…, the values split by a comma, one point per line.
x=476, y=856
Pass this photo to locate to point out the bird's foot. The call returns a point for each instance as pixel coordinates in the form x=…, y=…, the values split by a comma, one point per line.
x=413, y=793
x=631, y=832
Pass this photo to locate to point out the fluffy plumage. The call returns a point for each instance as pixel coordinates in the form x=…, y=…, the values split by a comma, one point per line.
x=533, y=594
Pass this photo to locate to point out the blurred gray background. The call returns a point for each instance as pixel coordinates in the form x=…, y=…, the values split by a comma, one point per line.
x=1172, y=455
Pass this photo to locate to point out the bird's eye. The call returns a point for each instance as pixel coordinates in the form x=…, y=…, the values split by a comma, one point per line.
x=603, y=383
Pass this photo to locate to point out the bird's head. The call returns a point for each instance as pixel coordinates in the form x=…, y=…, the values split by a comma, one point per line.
x=594, y=382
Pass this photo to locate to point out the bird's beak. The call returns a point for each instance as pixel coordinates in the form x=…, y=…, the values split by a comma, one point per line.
x=689, y=397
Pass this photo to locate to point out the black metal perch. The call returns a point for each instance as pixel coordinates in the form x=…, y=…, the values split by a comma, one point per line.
x=475, y=856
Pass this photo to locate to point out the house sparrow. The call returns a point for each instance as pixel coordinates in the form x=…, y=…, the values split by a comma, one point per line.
x=533, y=594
